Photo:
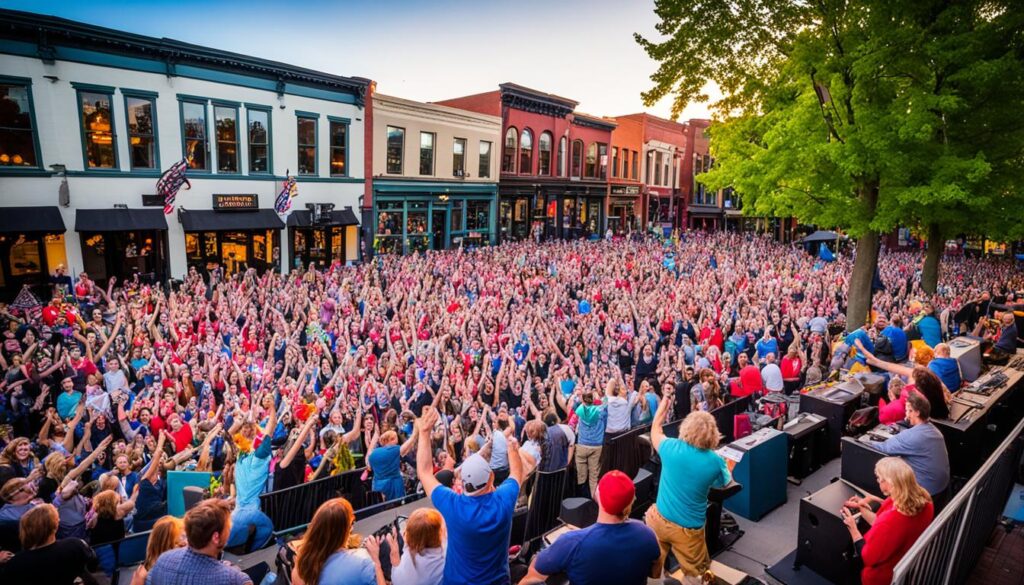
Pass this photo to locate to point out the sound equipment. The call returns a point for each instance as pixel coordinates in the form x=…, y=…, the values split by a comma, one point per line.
x=713, y=536
x=808, y=444
x=760, y=460
x=836, y=403
x=643, y=483
x=874, y=386
x=823, y=541
x=580, y=512
x=724, y=575
x=967, y=352
x=857, y=464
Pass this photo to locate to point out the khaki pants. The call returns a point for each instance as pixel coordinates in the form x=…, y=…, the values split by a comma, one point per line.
x=687, y=544
x=588, y=466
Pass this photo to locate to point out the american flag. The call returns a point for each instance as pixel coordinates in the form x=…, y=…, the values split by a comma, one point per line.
x=170, y=182
x=289, y=191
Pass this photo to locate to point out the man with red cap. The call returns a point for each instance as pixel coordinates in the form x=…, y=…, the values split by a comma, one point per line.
x=614, y=550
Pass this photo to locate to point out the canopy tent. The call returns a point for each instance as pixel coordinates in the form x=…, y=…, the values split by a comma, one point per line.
x=822, y=236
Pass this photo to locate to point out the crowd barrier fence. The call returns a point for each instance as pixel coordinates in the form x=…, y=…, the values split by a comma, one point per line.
x=949, y=549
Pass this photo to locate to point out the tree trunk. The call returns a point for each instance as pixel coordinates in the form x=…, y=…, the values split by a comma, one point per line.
x=930, y=274
x=859, y=293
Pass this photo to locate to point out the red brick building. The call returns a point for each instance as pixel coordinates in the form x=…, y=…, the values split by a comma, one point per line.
x=626, y=209
x=554, y=163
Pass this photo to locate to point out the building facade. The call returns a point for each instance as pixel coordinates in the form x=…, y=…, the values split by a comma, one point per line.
x=626, y=204
x=90, y=117
x=435, y=171
x=553, y=165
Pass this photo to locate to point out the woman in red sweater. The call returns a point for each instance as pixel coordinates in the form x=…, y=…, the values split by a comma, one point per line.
x=904, y=515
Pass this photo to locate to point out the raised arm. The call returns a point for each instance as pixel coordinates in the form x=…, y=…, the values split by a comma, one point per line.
x=294, y=450
x=657, y=432
x=87, y=462
x=424, y=458
x=409, y=443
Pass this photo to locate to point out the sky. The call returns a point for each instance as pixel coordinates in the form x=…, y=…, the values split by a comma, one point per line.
x=417, y=49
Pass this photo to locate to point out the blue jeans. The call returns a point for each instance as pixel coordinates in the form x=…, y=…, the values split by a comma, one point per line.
x=241, y=519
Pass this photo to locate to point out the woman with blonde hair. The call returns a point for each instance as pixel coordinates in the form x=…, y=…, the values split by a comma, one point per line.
x=328, y=552
x=168, y=533
x=111, y=512
x=422, y=561
x=44, y=558
x=17, y=460
x=904, y=515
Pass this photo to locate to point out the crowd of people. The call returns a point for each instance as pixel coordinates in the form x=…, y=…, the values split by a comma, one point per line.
x=459, y=372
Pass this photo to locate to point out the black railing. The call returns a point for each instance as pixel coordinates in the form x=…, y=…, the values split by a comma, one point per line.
x=295, y=506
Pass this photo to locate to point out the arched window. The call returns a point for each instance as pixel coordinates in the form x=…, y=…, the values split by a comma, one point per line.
x=591, y=167
x=526, y=152
x=562, y=147
x=577, y=158
x=544, y=154
x=508, y=154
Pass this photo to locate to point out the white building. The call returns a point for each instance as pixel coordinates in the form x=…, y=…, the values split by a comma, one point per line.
x=90, y=117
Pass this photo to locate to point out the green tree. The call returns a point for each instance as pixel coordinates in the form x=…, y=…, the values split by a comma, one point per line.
x=860, y=115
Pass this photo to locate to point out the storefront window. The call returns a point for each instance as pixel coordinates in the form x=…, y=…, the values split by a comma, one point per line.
x=416, y=227
x=337, y=251
x=141, y=132
x=24, y=257
x=568, y=213
x=478, y=216
x=94, y=255
x=193, y=116
x=389, y=227
x=98, y=130
x=458, y=211
x=259, y=141
x=226, y=124
x=17, y=136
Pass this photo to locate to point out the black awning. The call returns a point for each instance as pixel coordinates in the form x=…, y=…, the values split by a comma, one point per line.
x=223, y=221
x=304, y=218
x=119, y=220
x=16, y=220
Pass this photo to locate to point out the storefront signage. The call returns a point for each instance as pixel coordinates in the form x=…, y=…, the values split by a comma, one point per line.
x=625, y=189
x=152, y=200
x=236, y=202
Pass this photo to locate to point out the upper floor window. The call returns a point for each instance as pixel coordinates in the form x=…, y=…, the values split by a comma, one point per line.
x=459, y=157
x=141, y=113
x=18, y=141
x=602, y=160
x=562, y=147
x=197, y=142
x=98, y=134
x=577, y=159
x=484, y=171
x=306, y=133
x=590, y=170
x=508, y=154
x=657, y=168
x=426, y=153
x=544, y=154
x=615, y=161
x=396, y=144
x=339, y=147
x=649, y=168
x=259, y=140
x=225, y=120
x=636, y=165
x=526, y=152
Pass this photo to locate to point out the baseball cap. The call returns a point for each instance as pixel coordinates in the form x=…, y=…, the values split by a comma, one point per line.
x=615, y=492
x=476, y=472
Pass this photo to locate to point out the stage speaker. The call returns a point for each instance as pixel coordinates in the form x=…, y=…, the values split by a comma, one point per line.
x=823, y=542
x=644, y=485
x=580, y=512
x=967, y=353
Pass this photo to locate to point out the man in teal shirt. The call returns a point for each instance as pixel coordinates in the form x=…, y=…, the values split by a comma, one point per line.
x=689, y=469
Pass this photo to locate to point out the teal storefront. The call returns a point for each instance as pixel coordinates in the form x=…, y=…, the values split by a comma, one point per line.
x=411, y=216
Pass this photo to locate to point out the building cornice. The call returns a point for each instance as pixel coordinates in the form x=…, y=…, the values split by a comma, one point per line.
x=535, y=102
x=593, y=122
x=384, y=104
x=49, y=33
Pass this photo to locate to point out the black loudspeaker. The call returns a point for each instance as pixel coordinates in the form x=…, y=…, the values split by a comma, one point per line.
x=643, y=483
x=823, y=542
x=579, y=512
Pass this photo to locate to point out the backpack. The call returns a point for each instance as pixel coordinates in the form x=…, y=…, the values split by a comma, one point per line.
x=862, y=420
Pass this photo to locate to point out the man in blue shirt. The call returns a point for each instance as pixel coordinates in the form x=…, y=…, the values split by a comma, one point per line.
x=689, y=469
x=251, y=472
x=921, y=446
x=945, y=367
x=614, y=550
x=862, y=335
x=206, y=528
x=897, y=339
x=929, y=327
x=767, y=345
x=479, y=520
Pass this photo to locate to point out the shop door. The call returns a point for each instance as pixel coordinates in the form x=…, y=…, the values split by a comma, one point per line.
x=234, y=251
x=438, y=227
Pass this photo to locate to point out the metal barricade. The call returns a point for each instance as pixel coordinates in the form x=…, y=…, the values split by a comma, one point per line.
x=295, y=506
x=951, y=546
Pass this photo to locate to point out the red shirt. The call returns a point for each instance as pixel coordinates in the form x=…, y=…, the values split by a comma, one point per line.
x=791, y=368
x=750, y=381
x=890, y=537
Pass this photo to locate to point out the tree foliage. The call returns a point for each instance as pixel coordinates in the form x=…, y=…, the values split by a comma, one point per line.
x=860, y=114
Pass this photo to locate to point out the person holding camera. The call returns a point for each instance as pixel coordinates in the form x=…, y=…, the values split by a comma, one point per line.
x=422, y=560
